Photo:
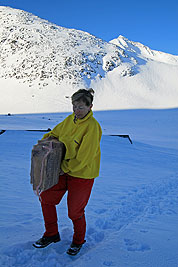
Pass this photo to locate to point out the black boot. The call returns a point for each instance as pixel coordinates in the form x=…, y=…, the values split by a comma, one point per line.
x=46, y=240
x=74, y=249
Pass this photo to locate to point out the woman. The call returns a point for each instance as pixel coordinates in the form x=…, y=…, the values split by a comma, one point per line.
x=81, y=134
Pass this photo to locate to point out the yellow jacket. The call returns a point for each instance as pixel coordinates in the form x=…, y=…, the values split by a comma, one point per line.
x=82, y=142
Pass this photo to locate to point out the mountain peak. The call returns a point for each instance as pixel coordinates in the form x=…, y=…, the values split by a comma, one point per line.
x=144, y=51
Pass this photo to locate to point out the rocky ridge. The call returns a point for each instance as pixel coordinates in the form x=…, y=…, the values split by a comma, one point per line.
x=34, y=50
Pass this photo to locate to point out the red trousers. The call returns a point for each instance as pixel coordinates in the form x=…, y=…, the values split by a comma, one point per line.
x=79, y=191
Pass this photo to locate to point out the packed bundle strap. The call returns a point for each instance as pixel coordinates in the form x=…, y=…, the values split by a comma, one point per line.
x=46, y=158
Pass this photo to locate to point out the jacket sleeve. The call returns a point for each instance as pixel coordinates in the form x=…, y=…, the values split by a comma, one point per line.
x=55, y=132
x=88, y=149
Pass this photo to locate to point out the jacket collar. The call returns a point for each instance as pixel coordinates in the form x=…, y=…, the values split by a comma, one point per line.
x=78, y=121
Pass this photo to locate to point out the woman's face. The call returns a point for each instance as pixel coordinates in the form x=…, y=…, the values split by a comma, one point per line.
x=81, y=109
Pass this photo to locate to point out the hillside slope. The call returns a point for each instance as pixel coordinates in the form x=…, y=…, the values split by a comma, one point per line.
x=42, y=64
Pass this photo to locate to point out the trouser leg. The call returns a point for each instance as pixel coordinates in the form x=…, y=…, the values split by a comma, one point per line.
x=79, y=191
x=50, y=219
x=79, y=230
x=49, y=199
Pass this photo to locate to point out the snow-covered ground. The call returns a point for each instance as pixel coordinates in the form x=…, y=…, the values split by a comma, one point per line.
x=132, y=216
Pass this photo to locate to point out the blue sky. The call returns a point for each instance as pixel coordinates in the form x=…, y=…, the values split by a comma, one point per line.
x=153, y=23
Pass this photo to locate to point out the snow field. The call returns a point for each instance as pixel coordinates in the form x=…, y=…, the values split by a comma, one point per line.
x=132, y=214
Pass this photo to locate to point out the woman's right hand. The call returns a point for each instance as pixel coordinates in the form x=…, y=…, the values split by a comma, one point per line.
x=61, y=173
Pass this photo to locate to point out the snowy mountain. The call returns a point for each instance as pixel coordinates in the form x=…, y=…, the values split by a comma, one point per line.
x=42, y=64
